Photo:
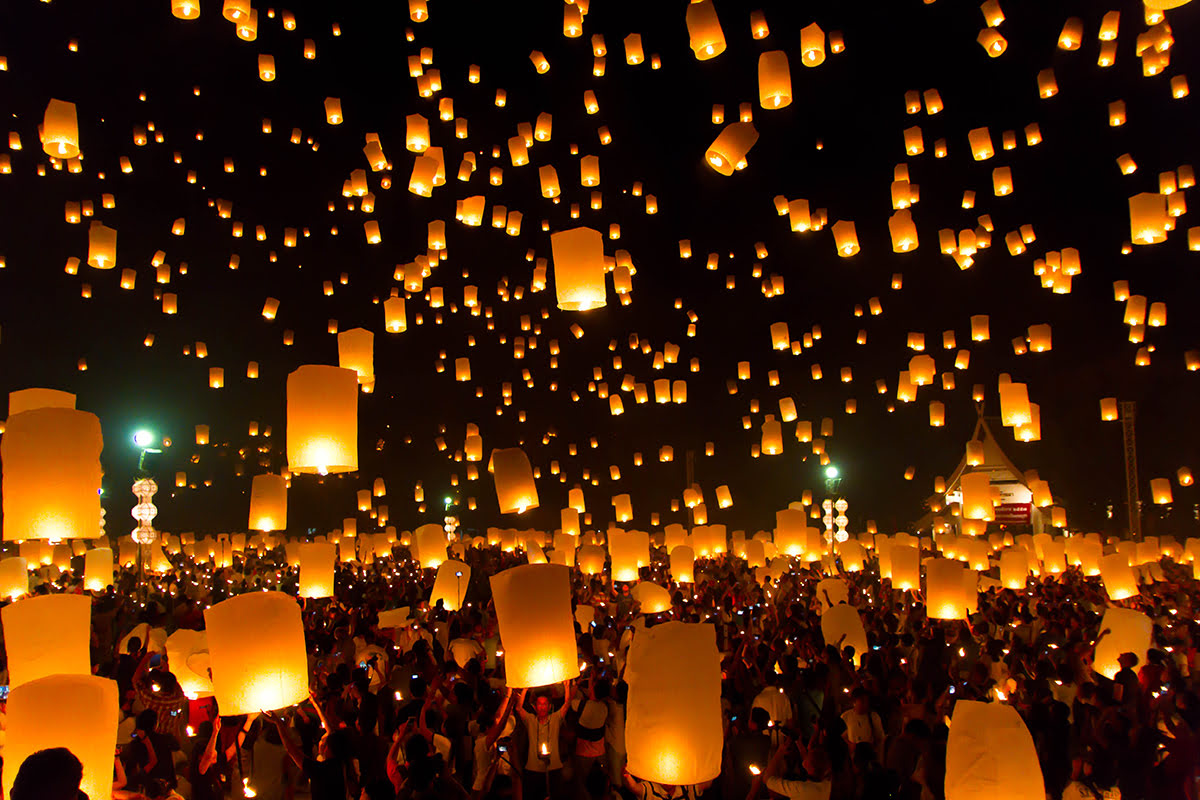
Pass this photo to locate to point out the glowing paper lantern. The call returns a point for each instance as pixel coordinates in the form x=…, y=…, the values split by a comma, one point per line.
x=187, y=655
x=317, y=569
x=14, y=577
x=60, y=130
x=812, y=45
x=1130, y=632
x=673, y=731
x=578, y=269
x=704, y=30
x=1014, y=568
x=533, y=610
x=590, y=559
x=774, y=80
x=51, y=463
x=683, y=560
x=268, y=503
x=842, y=623
x=906, y=566
x=429, y=545
x=322, y=413
x=1148, y=219
x=515, y=488
x=451, y=584
x=728, y=151
x=945, y=598
x=356, y=351
x=653, y=598
x=78, y=712
x=990, y=754
x=1119, y=579
x=257, y=651
x=97, y=569
x=47, y=635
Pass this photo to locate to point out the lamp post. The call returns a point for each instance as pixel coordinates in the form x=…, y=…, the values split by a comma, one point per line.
x=145, y=511
x=833, y=481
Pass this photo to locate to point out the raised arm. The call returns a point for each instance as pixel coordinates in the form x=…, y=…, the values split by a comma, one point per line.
x=293, y=750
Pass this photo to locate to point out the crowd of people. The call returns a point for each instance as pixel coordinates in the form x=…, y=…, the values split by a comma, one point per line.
x=422, y=710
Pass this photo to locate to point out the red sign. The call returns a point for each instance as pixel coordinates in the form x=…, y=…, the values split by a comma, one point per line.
x=1014, y=513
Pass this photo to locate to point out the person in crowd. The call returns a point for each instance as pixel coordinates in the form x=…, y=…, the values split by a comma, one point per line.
x=422, y=710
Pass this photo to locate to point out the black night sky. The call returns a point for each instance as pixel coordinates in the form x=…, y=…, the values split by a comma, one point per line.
x=836, y=145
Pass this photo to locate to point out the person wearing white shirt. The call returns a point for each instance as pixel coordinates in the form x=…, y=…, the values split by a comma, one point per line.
x=863, y=724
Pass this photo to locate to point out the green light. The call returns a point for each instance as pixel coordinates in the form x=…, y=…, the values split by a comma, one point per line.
x=448, y=501
x=143, y=438
x=831, y=472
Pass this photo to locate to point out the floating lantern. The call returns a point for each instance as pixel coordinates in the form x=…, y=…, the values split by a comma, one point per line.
x=98, y=569
x=728, y=151
x=451, y=584
x=1129, y=632
x=60, y=130
x=51, y=461
x=774, y=80
x=76, y=712
x=515, y=488
x=704, y=30
x=990, y=754
x=1119, y=579
x=673, y=723
x=578, y=269
x=257, y=652
x=842, y=623
x=47, y=635
x=533, y=611
x=322, y=413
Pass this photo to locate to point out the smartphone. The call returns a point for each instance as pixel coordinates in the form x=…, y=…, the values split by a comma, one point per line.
x=503, y=749
x=155, y=660
x=3, y=692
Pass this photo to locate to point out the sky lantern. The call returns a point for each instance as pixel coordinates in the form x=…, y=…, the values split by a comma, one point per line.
x=845, y=238
x=78, y=712
x=317, y=569
x=102, y=246
x=842, y=623
x=394, y=317
x=322, y=414
x=774, y=80
x=682, y=564
x=1014, y=404
x=187, y=655
x=515, y=488
x=60, y=130
x=356, y=351
x=704, y=30
x=185, y=9
x=451, y=585
x=333, y=110
x=97, y=569
x=812, y=45
x=51, y=474
x=268, y=503
x=990, y=754
x=1119, y=579
x=1129, y=631
x=1148, y=218
x=14, y=577
x=578, y=256
x=673, y=722
x=1014, y=568
x=537, y=630
x=976, y=495
x=728, y=151
x=257, y=652
x=47, y=635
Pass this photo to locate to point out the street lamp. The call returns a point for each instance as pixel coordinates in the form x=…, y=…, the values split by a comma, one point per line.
x=145, y=511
